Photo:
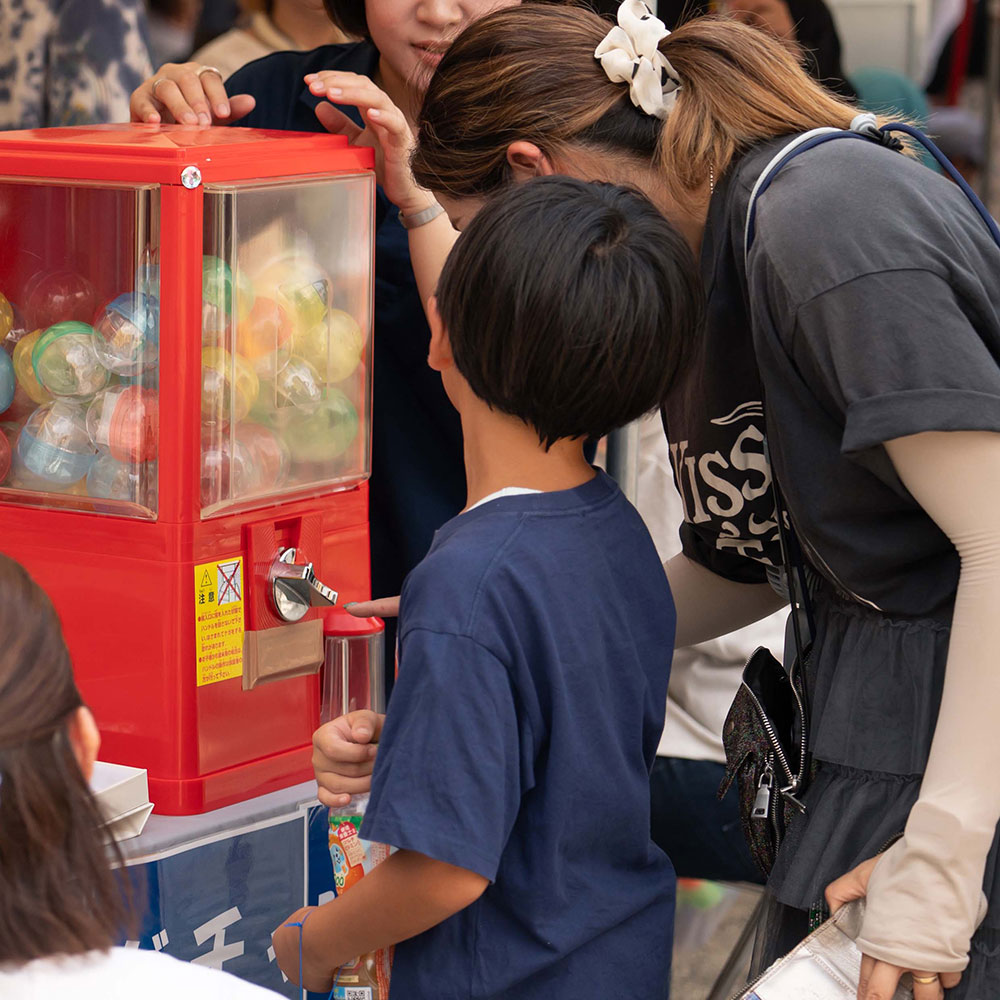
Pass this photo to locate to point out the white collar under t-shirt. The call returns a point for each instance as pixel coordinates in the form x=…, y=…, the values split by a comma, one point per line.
x=507, y=491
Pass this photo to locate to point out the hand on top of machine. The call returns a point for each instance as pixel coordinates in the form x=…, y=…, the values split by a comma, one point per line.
x=189, y=94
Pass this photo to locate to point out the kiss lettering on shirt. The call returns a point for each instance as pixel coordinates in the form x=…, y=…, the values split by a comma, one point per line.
x=730, y=485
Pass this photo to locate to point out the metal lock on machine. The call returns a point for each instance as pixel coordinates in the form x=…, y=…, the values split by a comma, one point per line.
x=295, y=589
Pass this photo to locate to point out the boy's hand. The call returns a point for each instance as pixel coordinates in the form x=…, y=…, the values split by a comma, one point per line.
x=381, y=607
x=344, y=756
x=285, y=941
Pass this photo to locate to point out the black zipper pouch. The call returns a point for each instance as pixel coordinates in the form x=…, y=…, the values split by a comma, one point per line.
x=766, y=753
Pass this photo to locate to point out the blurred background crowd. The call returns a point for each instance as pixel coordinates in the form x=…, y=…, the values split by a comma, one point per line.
x=73, y=62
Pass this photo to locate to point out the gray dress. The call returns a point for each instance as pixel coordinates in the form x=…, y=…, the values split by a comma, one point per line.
x=870, y=310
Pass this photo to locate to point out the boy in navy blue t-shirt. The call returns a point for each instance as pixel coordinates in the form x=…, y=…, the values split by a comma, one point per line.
x=536, y=635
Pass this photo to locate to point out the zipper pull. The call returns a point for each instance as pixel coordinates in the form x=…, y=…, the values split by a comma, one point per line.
x=762, y=800
x=798, y=803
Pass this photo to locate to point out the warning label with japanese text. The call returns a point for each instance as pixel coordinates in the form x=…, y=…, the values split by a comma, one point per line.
x=218, y=620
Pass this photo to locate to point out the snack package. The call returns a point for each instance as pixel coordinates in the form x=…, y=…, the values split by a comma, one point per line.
x=367, y=977
x=825, y=966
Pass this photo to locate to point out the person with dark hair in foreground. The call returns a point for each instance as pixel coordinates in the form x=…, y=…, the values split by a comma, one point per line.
x=61, y=906
x=535, y=635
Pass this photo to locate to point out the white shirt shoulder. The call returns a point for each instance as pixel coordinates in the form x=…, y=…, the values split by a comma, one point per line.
x=123, y=974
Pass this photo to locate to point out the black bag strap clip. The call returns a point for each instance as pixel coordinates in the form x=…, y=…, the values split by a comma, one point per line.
x=866, y=125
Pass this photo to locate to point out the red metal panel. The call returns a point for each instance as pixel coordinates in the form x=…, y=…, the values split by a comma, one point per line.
x=180, y=353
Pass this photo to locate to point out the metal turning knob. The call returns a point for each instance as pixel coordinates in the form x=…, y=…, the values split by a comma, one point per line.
x=295, y=589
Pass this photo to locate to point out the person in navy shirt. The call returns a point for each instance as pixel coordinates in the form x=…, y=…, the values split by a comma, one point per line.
x=513, y=768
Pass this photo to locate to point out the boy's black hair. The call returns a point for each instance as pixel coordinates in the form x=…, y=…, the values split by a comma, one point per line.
x=349, y=16
x=571, y=305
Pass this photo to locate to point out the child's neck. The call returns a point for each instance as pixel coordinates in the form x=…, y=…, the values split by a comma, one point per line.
x=501, y=451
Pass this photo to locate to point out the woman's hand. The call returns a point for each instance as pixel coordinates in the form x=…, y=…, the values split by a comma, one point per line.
x=188, y=94
x=344, y=756
x=387, y=132
x=880, y=979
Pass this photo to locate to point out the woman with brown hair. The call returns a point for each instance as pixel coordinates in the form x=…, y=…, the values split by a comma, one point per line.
x=864, y=320
x=61, y=907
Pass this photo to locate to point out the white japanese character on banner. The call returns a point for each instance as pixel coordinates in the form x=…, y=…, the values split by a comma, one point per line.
x=222, y=951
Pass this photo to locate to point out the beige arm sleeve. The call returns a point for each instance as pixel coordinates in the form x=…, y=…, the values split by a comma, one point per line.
x=709, y=605
x=925, y=896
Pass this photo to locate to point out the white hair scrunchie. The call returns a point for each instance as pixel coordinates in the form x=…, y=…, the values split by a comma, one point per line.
x=629, y=54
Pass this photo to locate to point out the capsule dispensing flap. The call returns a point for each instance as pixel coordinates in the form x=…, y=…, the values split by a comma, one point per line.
x=353, y=668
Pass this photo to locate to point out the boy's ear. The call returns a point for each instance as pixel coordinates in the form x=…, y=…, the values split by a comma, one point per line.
x=439, y=354
x=527, y=160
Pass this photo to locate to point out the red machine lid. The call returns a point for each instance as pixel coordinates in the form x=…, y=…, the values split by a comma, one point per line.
x=163, y=142
x=337, y=621
x=219, y=151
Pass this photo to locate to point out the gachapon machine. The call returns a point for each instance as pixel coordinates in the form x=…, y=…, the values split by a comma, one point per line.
x=185, y=401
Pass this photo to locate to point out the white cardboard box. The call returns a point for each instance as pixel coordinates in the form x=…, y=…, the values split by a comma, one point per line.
x=122, y=793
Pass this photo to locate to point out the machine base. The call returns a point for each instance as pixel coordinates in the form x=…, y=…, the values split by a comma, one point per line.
x=232, y=784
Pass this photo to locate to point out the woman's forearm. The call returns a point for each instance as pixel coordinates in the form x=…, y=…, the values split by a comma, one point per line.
x=925, y=896
x=430, y=245
x=709, y=605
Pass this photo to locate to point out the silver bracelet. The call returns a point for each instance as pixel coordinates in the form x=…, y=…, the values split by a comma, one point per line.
x=422, y=217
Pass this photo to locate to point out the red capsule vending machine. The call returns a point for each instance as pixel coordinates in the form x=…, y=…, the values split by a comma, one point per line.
x=186, y=395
